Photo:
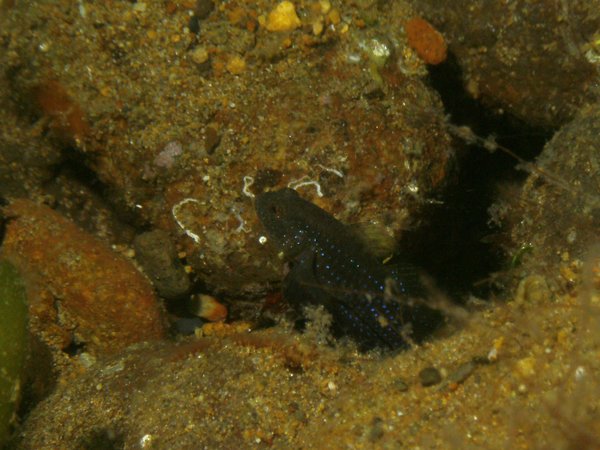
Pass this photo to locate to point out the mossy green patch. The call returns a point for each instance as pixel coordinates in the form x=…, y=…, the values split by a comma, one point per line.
x=13, y=343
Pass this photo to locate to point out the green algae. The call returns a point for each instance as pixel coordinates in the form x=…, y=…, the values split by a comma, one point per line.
x=13, y=343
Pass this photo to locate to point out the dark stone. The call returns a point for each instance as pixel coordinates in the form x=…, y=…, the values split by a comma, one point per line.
x=158, y=257
x=187, y=325
x=211, y=140
x=203, y=8
x=430, y=376
x=194, y=24
x=462, y=373
x=376, y=432
x=401, y=385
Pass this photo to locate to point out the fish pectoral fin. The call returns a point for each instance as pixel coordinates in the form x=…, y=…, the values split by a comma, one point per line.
x=300, y=286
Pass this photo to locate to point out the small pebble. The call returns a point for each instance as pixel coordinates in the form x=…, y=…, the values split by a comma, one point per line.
x=194, y=24
x=211, y=139
x=186, y=325
x=317, y=27
x=526, y=367
x=200, y=55
x=462, y=373
x=166, y=158
x=236, y=65
x=283, y=18
x=579, y=373
x=325, y=6
x=203, y=8
x=376, y=432
x=334, y=17
x=401, y=385
x=429, y=43
x=430, y=376
x=157, y=255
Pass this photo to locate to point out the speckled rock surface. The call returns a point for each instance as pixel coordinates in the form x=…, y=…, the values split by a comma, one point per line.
x=554, y=220
x=538, y=60
x=174, y=122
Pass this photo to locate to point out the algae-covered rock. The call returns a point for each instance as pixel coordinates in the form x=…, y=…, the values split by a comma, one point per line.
x=13, y=341
x=555, y=219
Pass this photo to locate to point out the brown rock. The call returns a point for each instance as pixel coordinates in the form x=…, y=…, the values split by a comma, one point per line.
x=533, y=59
x=555, y=217
x=79, y=290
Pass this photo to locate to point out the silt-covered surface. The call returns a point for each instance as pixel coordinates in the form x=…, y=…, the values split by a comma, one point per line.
x=519, y=375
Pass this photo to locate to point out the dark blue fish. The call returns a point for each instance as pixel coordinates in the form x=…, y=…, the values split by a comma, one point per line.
x=375, y=304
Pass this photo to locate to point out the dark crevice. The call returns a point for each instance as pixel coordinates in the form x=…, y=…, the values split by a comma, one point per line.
x=77, y=167
x=450, y=245
x=3, y=220
x=74, y=348
x=74, y=165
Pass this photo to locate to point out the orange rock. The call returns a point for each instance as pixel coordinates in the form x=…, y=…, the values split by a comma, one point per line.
x=77, y=286
x=426, y=40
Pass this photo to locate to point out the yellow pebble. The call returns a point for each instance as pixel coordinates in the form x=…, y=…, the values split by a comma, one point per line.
x=325, y=6
x=236, y=65
x=334, y=16
x=200, y=55
x=526, y=367
x=562, y=337
x=283, y=18
x=317, y=27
